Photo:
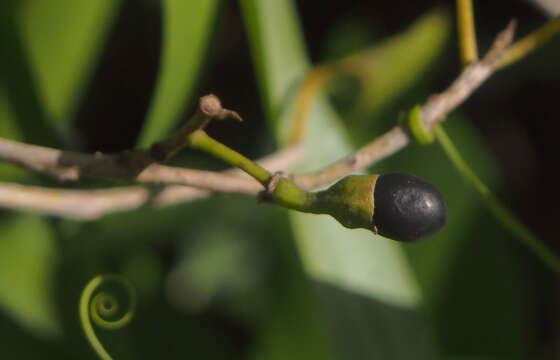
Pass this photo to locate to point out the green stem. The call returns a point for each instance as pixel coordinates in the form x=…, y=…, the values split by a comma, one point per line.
x=285, y=192
x=201, y=141
x=103, y=308
x=288, y=194
x=500, y=212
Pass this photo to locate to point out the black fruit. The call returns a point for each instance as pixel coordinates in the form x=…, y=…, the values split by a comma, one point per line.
x=407, y=208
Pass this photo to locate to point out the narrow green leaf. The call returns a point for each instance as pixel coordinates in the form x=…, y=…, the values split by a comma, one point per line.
x=62, y=39
x=186, y=35
x=399, y=61
x=358, y=266
x=27, y=260
x=279, y=55
x=215, y=262
x=387, y=70
x=8, y=130
x=22, y=107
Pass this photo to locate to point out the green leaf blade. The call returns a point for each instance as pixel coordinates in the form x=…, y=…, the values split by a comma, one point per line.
x=186, y=34
x=27, y=268
x=63, y=39
x=323, y=243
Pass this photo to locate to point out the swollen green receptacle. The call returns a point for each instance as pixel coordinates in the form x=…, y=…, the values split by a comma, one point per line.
x=350, y=201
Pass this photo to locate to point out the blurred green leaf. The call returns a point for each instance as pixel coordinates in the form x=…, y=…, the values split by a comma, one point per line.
x=27, y=261
x=278, y=52
x=468, y=357
x=295, y=328
x=8, y=130
x=332, y=255
x=188, y=26
x=291, y=323
x=369, y=86
x=389, y=68
x=22, y=109
x=356, y=263
x=143, y=268
x=62, y=39
x=216, y=261
x=351, y=33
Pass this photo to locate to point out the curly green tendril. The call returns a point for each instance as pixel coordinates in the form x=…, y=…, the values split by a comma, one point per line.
x=103, y=308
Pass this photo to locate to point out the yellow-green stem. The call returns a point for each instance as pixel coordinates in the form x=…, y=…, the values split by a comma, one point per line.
x=289, y=195
x=284, y=192
x=201, y=141
x=500, y=212
x=467, y=34
x=529, y=43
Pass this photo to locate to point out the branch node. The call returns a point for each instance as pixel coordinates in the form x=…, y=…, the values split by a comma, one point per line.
x=211, y=106
x=500, y=44
x=266, y=194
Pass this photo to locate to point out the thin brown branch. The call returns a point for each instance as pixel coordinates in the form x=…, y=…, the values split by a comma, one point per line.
x=92, y=204
x=74, y=166
x=380, y=148
x=433, y=112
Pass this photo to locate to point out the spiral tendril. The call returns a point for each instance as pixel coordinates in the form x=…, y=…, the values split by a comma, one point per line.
x=103, y=309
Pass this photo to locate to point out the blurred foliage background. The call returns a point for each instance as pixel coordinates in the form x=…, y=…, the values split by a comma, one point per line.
x=226, y=278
